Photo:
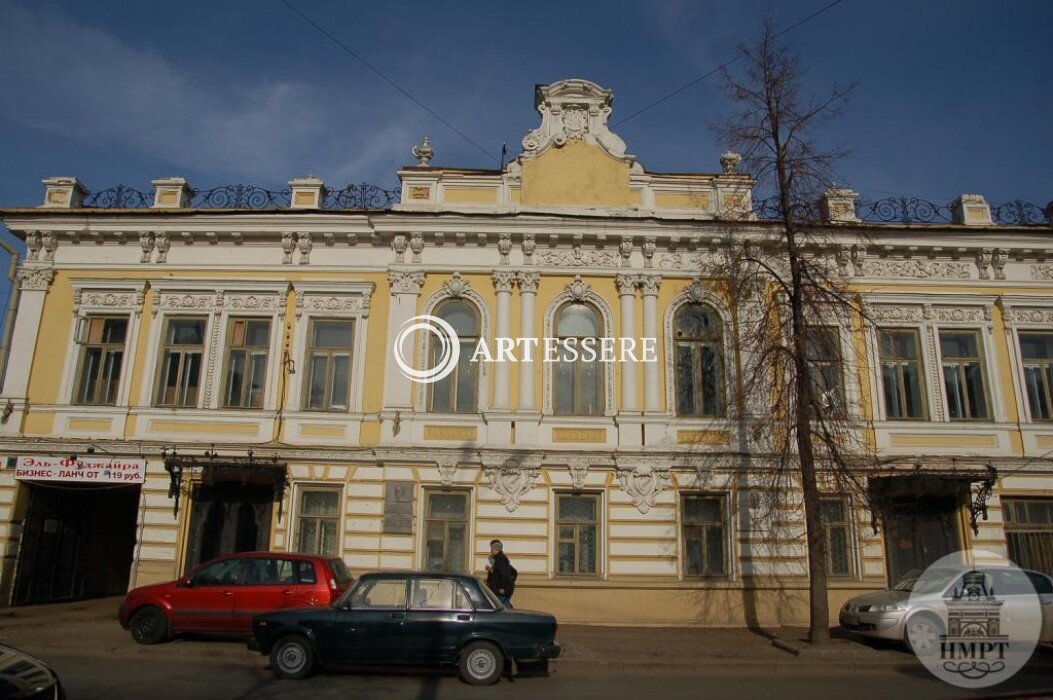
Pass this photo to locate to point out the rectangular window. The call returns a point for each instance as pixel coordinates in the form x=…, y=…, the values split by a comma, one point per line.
x=823, y=350
x=100, y=367
x=703, y=522
x=318, y=522
x=964, y=378
x=1036, y=349
x=837, y=529
x=437, y=594
x=328, y=386
x=577, y=533
x=1029, y=532
x=248, y=344
x=446, y=531
x=181, y=358
x=901, y=374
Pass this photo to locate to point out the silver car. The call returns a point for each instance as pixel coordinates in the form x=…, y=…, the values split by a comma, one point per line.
x=908, y=614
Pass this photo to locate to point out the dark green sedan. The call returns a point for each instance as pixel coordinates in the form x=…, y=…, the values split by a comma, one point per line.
x=407, y=618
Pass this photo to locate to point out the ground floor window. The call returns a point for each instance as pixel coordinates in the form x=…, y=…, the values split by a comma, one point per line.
x=318, y=522
x=837, y=529
x=577, y=532
x=703, y=519
x=1029, y=532
x=446, y=531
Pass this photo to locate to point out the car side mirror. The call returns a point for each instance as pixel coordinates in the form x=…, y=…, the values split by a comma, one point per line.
x=184, y=582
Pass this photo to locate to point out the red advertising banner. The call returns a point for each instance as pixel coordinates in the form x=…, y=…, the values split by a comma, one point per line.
x=102, y=470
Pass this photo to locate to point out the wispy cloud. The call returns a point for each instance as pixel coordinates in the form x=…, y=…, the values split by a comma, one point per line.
x=78, y=80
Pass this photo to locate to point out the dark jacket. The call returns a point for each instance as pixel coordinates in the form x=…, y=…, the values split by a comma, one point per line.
x=501, y=578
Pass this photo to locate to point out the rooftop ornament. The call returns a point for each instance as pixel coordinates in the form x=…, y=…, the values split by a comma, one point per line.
x=423, y=152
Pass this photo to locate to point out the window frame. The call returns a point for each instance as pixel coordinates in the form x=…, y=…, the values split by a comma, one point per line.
x=601, y=370
x=414, y=581
x=959, y=362
x=597, y=497
x=339, y=518
x=162, y=353
x=849, y=527
x=469, y=538
x=1045, y=366
x=308, y=353
x=1014, y=527
x=923, y=393
x=841, y=409
x=696, y=345
x=107, y=349
x=726, y=524
x=250, y=351
x=431, y=347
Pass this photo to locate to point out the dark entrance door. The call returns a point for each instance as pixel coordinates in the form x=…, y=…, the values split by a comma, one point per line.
x=921, y=519
x=228, y=517
x=77, y=542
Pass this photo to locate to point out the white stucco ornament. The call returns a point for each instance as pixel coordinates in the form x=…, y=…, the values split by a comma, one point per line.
x=573, y=109
x=643, y=484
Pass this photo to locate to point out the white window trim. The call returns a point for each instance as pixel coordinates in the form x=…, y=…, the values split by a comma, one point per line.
x=337, y=300
x=294, y=531
x=1024, y=315
x=422, y=519
x=483, y=388
x=730, y=496
x=607, y=320
x=727, y=330
x=103, y=298
x=602, y=541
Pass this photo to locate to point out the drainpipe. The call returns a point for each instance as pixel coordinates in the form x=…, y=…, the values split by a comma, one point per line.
x=12, y=309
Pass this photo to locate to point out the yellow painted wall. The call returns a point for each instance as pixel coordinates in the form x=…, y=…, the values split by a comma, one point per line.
x=576, y=174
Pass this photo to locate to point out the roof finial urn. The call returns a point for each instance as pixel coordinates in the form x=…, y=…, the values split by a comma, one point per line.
x=730, y=162
x=423, y=152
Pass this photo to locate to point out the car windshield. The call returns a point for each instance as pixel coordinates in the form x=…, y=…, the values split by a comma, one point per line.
x=933, y=582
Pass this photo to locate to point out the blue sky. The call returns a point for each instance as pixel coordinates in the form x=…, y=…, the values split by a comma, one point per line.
x=952, y=96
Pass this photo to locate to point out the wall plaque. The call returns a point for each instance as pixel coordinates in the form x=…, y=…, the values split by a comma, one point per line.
x=398, y=507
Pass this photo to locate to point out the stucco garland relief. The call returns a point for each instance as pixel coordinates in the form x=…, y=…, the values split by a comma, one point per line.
x=702, y=262
x=576, y=257
x=1042, y=271
x=1030, y=315
x=916, y=269
x=895, y=313
x=961, y=314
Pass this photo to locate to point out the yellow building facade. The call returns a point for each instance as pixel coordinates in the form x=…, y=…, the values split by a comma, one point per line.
x=237, y=348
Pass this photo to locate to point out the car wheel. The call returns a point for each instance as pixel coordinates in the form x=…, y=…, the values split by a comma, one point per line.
x=292, y=658
x=922, y=634
x=481, y=663
x=149, y=626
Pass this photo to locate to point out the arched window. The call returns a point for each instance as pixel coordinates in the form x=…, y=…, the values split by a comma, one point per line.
x=698, y=343
x=457, y=392
x=578, y=381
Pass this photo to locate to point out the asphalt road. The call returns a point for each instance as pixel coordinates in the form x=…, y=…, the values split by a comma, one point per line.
x=113, y=677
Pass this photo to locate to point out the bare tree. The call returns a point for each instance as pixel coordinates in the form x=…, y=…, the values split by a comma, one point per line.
x=787, y=281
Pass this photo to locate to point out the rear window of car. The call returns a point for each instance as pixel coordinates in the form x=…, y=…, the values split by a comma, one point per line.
x=340, y=573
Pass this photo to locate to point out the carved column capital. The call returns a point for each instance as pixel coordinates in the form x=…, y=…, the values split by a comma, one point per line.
x=35, y=278
x=403, y=282
x=528, y=282
x=649, y=285
x=626, y=284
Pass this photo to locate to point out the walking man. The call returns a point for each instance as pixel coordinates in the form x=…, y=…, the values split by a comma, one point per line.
x=500, y=574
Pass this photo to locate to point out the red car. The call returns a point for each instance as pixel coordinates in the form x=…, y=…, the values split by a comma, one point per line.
x=222, y=595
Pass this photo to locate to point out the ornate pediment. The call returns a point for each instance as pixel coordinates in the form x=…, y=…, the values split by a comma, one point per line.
x=573, y=109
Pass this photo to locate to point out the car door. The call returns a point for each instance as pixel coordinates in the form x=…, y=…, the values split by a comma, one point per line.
x=438, y=617
x=370, y=630
x=273, y=583
x=205, y=603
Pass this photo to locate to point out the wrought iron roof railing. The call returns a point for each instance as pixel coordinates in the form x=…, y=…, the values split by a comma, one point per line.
x=351, y=196
x=890, y=210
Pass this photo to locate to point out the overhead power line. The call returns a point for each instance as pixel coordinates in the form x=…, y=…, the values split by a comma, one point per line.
x=722, y=66
x=388, y=80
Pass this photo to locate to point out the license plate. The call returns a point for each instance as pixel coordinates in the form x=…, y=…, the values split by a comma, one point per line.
x=851, y=619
